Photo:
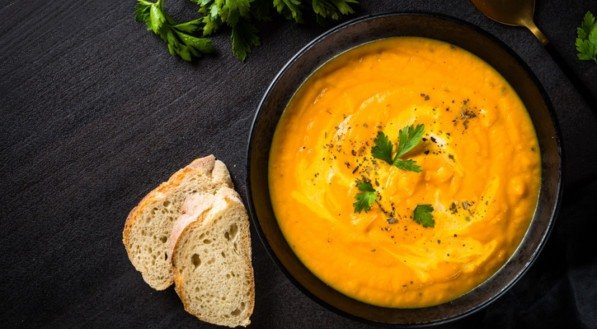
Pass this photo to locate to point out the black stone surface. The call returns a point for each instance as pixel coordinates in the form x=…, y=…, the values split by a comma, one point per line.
x=95, y=113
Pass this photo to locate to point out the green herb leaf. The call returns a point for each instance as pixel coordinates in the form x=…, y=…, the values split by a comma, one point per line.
x=237, y=15
x=366, y=196
x=290, y=9
x=408, y=165
x=422, y=215
x=408, y=138
x=157, y=17
x=587, y=25
x=382, y=148
x=188, y=27
x=244, y=37
x=323, y=9
x=586, y=41
x=142, y=11
x=332, y=9
x=179, y=37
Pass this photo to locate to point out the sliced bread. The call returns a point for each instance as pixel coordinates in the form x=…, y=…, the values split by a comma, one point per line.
x=149, y=224
x=213, y=274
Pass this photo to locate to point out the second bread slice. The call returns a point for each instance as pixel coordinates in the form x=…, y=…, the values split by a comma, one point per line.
x=213, y=274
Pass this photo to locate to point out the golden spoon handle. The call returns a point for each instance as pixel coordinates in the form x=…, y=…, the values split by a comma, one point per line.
x=536, y=32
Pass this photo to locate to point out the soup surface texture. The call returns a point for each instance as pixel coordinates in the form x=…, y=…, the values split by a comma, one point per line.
x=477, y=186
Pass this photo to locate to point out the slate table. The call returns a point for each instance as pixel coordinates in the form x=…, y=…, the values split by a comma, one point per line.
x=95, y=113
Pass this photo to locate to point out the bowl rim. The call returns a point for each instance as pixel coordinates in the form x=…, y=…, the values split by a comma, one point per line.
x=558, y=190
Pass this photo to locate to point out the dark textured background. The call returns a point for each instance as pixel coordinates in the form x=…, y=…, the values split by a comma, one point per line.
x=95, y=113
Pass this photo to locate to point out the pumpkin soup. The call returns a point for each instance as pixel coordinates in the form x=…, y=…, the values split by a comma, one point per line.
x=404, y=172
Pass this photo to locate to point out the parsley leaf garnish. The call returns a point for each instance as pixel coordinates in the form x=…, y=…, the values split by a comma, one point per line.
x=408, y=165
x=366, y=196
x=586, y=41
x=179, y=37
x=422, y=215
x=382, y=148
x=408, y=138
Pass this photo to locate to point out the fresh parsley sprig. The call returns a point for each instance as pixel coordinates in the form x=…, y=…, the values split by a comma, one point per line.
x=179, y=37
x=239, y=16
x=408, y=138
x=323, y=9
x=366, y=196
x=586, y=41
x=236, y=14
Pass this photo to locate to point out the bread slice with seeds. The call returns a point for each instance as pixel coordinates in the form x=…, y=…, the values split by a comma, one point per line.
x=149, y=224
x=213, y=274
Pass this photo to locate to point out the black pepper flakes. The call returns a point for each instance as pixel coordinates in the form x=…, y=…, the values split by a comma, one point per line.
x=453, y=208
x=466, y=205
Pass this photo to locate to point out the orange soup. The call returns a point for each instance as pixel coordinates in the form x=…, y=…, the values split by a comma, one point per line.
x=394, y=228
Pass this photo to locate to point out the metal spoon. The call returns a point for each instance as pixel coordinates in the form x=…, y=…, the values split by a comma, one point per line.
x=520, y=13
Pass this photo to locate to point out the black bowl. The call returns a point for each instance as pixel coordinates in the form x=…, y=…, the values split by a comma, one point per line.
x=355, y=33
